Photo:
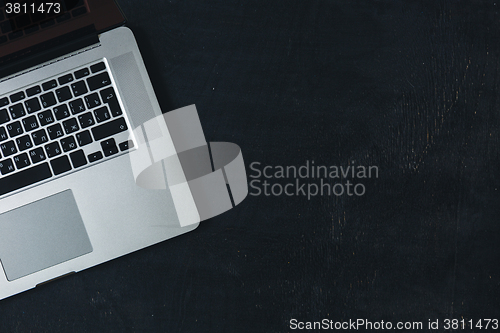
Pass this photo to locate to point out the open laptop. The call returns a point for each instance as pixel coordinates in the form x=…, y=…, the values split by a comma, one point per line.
x=73, y=86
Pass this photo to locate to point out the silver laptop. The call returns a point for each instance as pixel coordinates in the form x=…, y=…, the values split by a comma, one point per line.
x=73, y=87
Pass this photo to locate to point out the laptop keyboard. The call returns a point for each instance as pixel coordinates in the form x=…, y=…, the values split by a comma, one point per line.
x=59, y=126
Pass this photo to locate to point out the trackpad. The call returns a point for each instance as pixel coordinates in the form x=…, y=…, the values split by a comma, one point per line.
x=42, y=234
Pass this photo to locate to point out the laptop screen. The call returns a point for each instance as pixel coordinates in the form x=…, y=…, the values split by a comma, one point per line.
x=29, y=27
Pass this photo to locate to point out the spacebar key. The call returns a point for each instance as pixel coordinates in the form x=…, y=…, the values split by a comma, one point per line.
x=111, y=128
x=25, y=178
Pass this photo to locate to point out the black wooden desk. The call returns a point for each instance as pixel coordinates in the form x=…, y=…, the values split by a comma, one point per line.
x=411, y=87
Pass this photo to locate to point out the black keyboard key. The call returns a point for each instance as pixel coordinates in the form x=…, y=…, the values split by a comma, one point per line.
x=102, y=114
x=98, y=67
x=126, y=145
x=63, y=17
x=86, y=120
x=61, y=111
x=95, y=156
x=77, y=106
x=63, y=94
x=108, y=96
x=6, y=166
x=109, y=147
x=49, y=85
x=33, y=91
x=30, y=123
x=92, y=100
x=3, y=134
x=37, y=155
x=4, y=101
x=70, y=126
x=17, y=97
x=39, y=137
x=55, y=131
x=84, y=138
x=24, y=142
x=108, y=143
x=79, y=88
x=53, y=149
x=78, y=158
x=31, y=29
x=110, y=151
x=48, y=99
x=3, y=39
x=14, y=129
x=45, y=117
x=98, y=81
x=32, y=105
x=22, y=161
x=68, y=143
x=4, y=116
x=47, y=23
x=65, y=79
x=8, y=148
x=108, y=129
x=23, y=21
x=24, y=178
x=6, y=27
x=60, y=165
x=115, y=108
x=82, y=73
x=17, y=111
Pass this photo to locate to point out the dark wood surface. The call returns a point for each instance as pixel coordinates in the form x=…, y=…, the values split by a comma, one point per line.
x=409, y=86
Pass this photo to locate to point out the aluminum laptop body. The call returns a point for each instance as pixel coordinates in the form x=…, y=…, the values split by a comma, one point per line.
x=93, y=212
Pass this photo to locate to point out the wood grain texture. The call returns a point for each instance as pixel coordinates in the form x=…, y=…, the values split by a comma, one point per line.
x=409, y=86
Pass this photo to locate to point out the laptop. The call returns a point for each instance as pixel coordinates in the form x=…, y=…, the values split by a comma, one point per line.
x=73, y=87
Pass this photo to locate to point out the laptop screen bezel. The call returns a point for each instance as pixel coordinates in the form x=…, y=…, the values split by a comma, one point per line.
x=102, y=14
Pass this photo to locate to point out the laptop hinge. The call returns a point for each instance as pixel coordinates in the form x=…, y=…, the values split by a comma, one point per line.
x=48, y=50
